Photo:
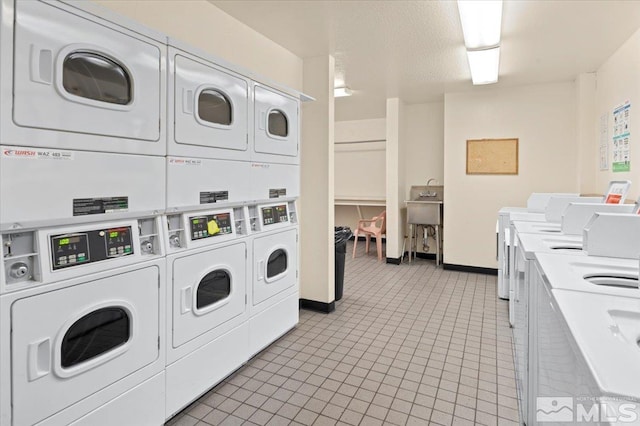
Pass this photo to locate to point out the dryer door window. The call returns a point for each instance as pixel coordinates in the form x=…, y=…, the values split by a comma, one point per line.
x=278, y=124
x=277, y=263
x=94, y=334
x=215, y=286
x=96, y=77
x=214, y=107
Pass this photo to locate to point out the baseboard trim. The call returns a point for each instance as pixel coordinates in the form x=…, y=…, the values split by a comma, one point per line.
x=394, y=260
x=472, y=269
x=420, y=255
x=314, y=305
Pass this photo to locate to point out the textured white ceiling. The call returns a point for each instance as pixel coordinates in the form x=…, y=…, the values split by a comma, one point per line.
x=414, y=49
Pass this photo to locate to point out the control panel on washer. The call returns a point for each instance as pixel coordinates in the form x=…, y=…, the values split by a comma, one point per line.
x=274, y=214
x=212, y=225
x=92, y=246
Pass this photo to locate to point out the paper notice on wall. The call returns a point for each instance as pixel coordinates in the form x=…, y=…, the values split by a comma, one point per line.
x=621, y=138
x=604, y=142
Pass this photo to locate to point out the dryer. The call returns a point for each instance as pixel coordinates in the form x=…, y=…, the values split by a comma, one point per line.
x=274, y=291
x=82, y=324
x=71, y=80
x=207, y=271
x=208, y=107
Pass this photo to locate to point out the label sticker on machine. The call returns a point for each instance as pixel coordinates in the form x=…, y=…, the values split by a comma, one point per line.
x=210, y=225
x=87, y=206
x=213, y=197
x=277, y=192
x=36, y=154
x=274, y=214
x=80, y=248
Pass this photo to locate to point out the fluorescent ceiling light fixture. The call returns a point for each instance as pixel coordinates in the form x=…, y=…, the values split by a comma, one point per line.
x=481, y=22
x=484, y=65
x=340, y=92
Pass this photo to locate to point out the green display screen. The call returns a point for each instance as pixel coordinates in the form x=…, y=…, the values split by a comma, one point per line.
x=113, y=234
x=63, y=241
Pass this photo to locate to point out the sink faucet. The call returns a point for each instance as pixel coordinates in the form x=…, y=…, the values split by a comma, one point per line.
x=431, y=179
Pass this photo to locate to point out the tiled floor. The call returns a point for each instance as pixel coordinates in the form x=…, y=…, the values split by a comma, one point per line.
x=408, y=344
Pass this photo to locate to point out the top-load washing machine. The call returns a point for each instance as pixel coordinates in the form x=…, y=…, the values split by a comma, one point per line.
x=274, y=288
x=82, y=324
x=583, y=338
x=207, y=312
x=73, y=81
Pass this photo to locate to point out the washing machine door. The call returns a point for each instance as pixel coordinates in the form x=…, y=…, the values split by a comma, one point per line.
x=211, y=107
x=70, y=343
x=75, y=75
x=276, y=261
x=209, y=290
x=276, y=127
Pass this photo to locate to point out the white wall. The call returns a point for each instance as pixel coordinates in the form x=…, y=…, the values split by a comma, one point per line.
x=206, y=27
x=586, y=132
x=360, y=166
x=317, y=173
x=396, y=186
x=424, y=143
x=618, y=80
x=543, y=118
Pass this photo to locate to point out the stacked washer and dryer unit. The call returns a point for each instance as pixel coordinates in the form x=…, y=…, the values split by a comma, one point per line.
x=231, y=228
x=147, y=218
x=82, y=277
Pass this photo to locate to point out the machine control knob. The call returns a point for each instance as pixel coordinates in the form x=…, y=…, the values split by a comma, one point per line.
x=19, y=270
x=146, y=246
x=174, y=241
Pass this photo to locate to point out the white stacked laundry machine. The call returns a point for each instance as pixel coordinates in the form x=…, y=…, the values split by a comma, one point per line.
x=147, y=217
x=230, y=227
x=82, y=278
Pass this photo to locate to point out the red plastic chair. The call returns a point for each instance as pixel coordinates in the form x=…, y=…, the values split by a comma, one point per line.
x=376, y=226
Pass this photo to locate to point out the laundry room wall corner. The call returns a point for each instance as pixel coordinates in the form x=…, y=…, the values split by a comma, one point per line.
x=317, y=183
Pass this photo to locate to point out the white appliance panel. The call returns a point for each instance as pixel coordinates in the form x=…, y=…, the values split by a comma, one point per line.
x=78, y=76
x=275, y=264
x=270, y=324
x=47, y=186
x=201, y=91
x=276, y=131
x=41, y=322
x=194, y=280
x=197, y=183
x=272, y=180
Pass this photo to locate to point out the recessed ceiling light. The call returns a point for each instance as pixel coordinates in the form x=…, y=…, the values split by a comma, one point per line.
x=481, y=22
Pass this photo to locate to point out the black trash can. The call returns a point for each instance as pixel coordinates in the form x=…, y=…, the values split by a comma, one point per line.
x=342, y=234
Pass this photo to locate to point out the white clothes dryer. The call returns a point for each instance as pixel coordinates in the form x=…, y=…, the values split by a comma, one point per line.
x=46, y=187
x=82, y=324
x=274, y=291
x=207, y=332
x=276, y=126
x=208, y=107
x=73, y=80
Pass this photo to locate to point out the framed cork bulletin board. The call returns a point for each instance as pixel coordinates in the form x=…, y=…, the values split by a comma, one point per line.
x=492, y=157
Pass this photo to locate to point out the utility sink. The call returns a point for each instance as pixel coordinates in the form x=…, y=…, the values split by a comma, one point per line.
x=424, y=212
x=425, y=205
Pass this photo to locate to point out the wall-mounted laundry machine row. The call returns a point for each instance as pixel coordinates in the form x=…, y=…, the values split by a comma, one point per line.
x=77, y=77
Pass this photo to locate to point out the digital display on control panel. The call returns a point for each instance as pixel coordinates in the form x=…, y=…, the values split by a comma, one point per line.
x=274, y=214
x=210, y=225
x=92, y=246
